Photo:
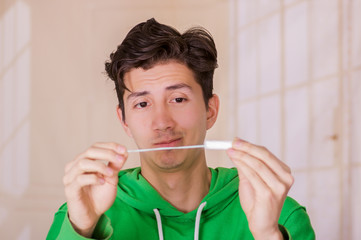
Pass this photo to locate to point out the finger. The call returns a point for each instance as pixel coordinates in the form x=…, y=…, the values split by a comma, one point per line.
x=89, y=179
x=246, y=191
x=69, y=165
x=83, y=180
x=111, y=180
x=255, y=185
x=257, y=165
x=103, y=154
x=117, y=166
x=110, y=151
x=273, y=181
x=252, y=177
x=88, y=166
x=262, y=153
x=120, y=149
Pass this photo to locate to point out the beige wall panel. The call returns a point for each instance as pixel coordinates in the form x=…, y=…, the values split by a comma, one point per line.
x=58, y=100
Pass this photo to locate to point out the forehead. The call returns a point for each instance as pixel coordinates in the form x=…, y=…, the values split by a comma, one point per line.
x=159, y=74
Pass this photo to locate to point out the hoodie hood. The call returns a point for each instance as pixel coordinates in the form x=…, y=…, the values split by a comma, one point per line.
x=139, y=194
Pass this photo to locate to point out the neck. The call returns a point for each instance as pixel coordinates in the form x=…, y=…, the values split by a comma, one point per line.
x=183, y=188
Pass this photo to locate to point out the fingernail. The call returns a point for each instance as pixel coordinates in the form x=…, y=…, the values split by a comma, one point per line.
x=237, y=142
x=121, y=149
x=119, y=158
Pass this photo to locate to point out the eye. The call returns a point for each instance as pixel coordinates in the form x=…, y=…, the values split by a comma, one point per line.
x=179, y=100
x=141, y=105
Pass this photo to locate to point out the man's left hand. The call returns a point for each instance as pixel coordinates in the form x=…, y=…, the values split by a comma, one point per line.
x=264, y=182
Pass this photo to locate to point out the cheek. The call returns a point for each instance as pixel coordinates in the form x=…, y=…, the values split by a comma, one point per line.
x=192, y=118
x=138, y=126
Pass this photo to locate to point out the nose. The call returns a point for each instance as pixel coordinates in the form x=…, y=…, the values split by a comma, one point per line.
x=162, y=118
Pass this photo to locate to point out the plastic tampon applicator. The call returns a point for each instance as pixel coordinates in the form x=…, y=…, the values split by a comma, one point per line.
x=208, y=144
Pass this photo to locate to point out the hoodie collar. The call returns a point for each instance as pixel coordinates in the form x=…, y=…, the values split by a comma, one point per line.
x=136, y=191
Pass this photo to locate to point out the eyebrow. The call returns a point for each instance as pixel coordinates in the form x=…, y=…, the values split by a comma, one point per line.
x=169, y=88
x=137, y=94
x=178, y=86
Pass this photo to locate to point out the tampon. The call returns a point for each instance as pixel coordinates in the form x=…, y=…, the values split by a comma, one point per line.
x=208, y=144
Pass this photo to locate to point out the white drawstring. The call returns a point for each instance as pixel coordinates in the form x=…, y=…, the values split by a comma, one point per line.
x=196, y=228
x=159, y=223
x=198, y=220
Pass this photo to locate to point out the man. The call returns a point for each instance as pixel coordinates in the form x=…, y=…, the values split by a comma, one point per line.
x=164, y=83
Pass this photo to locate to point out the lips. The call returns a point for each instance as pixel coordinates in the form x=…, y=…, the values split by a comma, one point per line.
x=168, y=143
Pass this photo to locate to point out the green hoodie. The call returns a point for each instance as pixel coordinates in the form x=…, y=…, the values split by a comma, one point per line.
x=139, y=212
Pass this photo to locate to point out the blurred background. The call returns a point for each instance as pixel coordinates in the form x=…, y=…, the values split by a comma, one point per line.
x=289, y=78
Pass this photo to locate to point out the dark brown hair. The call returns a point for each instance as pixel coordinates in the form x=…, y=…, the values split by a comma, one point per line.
x=150, y=43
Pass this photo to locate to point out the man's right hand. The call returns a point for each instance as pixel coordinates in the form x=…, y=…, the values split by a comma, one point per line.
x=91, y=184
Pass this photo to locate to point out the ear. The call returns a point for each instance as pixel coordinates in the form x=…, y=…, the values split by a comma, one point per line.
x=122, y=121
x=212, y=113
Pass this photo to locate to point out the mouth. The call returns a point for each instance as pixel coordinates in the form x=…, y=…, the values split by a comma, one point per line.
x=168, y=143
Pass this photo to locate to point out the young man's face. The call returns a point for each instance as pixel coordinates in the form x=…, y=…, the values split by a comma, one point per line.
x=165, y=108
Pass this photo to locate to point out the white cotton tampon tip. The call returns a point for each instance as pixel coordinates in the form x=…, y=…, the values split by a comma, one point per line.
x=217, y=145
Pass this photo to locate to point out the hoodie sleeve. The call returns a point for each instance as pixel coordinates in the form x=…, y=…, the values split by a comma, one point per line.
x=298, y=226
x=62, y=228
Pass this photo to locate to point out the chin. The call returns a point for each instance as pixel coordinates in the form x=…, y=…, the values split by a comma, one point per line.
x=168, y=162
